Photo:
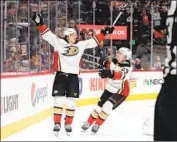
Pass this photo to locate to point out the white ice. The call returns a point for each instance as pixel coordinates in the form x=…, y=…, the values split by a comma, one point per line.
x=132, y=121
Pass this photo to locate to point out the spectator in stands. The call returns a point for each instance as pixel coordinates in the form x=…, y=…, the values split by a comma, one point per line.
x=23, y=62
x=165, y=62
x=10, y=31
x=137, y=64
x=157, y=65
x=12, y=52
x=9, y=63
x=62, y=8
x=59, y=32
x=61, y=26
x=35, y=61
x=23, y=12
x=87, y=33
x=34, y=6
x=157, y=18
x=23, y=48
x=72, y=24
x=75, y=9
x=57, y=12
x=44, y=10
x=45, y=56
x=11, y=12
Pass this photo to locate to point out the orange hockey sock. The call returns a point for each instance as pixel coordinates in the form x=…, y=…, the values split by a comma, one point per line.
x=69, y=116
x=57, y=114
x=93, y=116
x=101, y=118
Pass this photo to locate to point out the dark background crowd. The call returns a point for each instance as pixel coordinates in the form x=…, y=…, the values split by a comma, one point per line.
x=23, y=50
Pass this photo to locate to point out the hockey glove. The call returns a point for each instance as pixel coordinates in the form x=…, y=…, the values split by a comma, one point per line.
x=107, y=30
x=37, y=18
x=104, y=73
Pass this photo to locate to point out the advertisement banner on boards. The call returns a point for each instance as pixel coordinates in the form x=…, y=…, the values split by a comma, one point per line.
x=93, y=86
x=26, y=96
x=119, y=33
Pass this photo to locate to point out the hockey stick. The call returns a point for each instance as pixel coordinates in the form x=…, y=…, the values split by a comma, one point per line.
x=94, y=63
x=97, y=64
x=117, y=18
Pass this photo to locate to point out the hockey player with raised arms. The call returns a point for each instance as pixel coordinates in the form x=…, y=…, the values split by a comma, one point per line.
x=67, y=57
x=117, y=88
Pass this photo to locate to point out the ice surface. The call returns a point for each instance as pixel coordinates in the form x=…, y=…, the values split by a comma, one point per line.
x=126, y=123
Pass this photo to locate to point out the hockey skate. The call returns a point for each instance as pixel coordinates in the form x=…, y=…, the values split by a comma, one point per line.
x=56, y=129
x=68, y=129
x=85, y=126
x=95, y=128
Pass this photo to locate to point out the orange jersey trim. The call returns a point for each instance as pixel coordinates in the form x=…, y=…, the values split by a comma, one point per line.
x=100, y=37
x=117, y=75
x=56, y=62
x=42, y=28
x=126, y=90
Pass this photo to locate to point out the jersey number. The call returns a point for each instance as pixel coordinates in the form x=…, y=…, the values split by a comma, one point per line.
x=125, y=70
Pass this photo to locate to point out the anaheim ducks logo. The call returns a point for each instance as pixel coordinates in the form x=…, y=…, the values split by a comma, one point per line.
x=71, y=51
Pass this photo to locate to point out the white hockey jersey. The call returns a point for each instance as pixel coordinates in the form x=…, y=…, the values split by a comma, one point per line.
x=122, y=73
x=69, y=54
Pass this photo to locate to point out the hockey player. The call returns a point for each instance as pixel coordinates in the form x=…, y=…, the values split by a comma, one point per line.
x=117, y=88
x=165, y=118
x=66, y=63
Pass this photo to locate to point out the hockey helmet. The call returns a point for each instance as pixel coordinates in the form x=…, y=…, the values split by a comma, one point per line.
x=126, y=51
x=69, y=31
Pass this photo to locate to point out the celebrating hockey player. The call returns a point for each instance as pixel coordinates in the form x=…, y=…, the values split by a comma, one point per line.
x=117, y=88
x=66, y=63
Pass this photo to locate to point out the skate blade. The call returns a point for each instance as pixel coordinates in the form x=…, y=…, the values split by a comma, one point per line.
x=83, y=130
x=93, y=133
x=68, y=133
x=56, y=133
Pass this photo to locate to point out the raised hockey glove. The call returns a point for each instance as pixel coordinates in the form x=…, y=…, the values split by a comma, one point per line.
x=37, y=18
x=107, y=30
x=106, y=73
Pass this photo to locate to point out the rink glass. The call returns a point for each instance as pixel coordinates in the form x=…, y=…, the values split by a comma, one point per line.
x=23, y=50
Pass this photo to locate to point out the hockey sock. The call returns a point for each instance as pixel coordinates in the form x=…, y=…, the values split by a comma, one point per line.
x=93, y=116
x=101, y=118
x=57, y=112
x=106, y=110
x=69, y=116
